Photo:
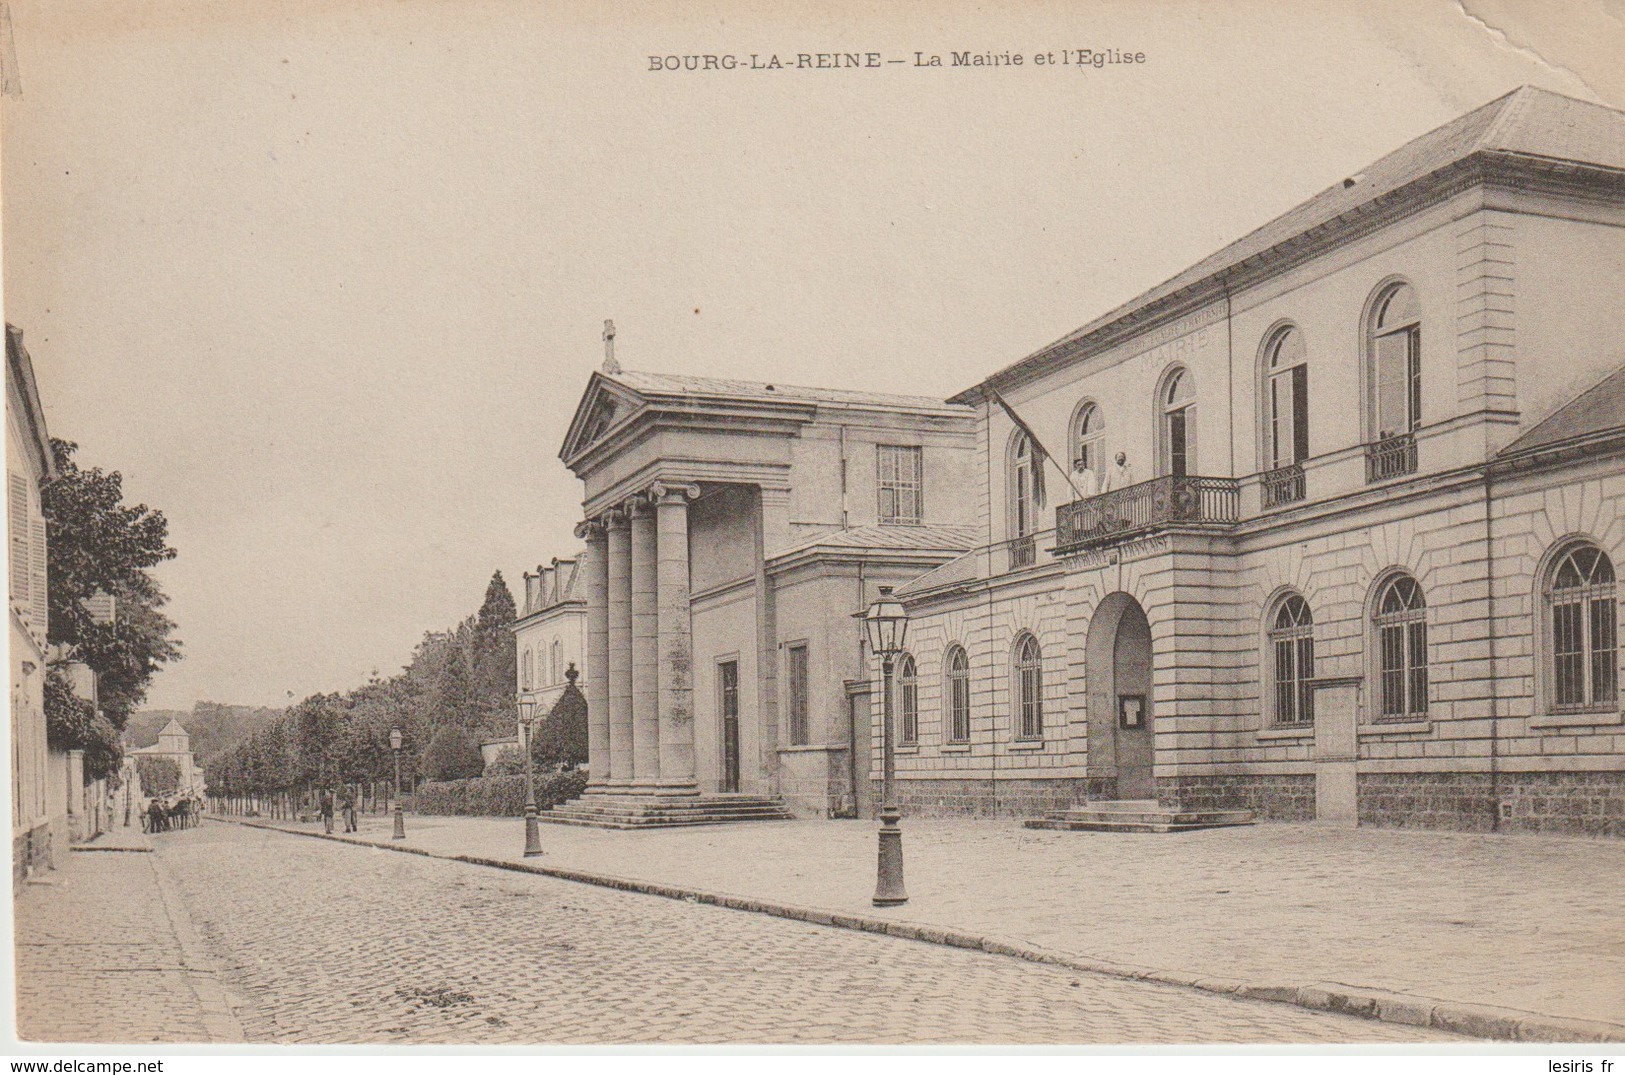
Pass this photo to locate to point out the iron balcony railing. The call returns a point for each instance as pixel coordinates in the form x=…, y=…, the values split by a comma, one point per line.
x=1151, y=505
x=1390, y=457
x=1283, y=485
x=1023, y=552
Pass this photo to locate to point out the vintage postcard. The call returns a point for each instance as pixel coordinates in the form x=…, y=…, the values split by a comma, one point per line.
x=945, y=524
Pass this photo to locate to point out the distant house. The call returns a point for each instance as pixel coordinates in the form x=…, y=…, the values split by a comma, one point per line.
x=550, y=635
x=38, y=819
x=175, y=743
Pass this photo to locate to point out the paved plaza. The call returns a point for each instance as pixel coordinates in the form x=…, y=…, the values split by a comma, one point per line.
x=316, y=942
x=1527, y=924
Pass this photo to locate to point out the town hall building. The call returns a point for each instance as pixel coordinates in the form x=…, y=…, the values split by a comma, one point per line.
x=1325, y=527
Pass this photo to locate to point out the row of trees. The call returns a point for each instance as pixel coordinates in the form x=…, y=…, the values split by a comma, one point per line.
x=457, y=690
x=98, y=545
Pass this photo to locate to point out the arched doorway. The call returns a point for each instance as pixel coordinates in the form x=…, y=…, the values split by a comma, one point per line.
x=1117, y=655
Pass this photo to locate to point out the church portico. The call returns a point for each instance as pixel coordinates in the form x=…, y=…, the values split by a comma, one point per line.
x=726, y=525
x=642, y=741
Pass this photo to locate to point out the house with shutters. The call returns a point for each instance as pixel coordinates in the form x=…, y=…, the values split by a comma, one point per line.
x=39, y=814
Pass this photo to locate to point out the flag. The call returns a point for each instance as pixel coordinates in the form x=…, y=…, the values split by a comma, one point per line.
x=1038, y=446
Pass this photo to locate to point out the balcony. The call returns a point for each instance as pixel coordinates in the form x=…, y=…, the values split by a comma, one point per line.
x=1125, y=513
x=1023, y=552
x=1390, y=457
x=1283, y=485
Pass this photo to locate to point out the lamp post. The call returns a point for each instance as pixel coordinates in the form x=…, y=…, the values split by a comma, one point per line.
x=400, y=818
x=533, y=836
x=887, y=623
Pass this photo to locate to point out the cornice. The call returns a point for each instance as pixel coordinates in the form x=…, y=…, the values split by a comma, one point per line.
x=1483, y=168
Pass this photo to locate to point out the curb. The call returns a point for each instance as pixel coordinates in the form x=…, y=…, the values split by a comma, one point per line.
x=1472, y=1020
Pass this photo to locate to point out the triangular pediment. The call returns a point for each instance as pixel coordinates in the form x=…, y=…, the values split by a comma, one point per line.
x=604, y=406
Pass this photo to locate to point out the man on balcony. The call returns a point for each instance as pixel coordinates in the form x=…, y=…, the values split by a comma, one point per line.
x=1120, y=476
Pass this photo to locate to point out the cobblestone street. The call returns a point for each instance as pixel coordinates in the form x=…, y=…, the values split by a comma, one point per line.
x=325, y=943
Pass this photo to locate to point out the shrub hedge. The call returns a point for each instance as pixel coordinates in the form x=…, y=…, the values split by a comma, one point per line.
x=495, y=796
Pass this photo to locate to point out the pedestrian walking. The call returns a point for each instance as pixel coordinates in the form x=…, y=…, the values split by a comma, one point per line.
x=327, y=810
x=348, y=803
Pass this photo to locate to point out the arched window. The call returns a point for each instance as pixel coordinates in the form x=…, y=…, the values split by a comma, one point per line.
x=1088, y=452
x=554, y=660
x=1395, y=333
x=1402, y=646
x=1583, y=669
x=1287, y=398
x=1029, y=676
x=1292, y=642
x=908, y=700
x=1026, y=485
x=526, y=670
x=1178, y=404
x=957, y=694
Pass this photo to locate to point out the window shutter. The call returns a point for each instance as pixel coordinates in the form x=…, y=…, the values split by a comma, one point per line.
x=1300, y=413
x=36, y=576
x=17, y=516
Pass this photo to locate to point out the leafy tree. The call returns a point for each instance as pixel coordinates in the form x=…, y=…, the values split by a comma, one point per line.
x=317, y=730
x=100, y=544
x=561, y=741
x=458, y=705
x=453, y=755
x=104, y=751
x=508, y=762
x=159, y=775
x=494, y=657
x=68, y=717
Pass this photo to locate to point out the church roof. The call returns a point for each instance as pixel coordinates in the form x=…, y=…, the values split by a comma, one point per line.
x=174, y=727
x=1529, y=123
x=722, y=388
x=891, y=537
x=963, y=568
x=1599, y=409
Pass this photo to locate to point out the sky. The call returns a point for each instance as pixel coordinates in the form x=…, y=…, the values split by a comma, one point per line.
x=325, y=279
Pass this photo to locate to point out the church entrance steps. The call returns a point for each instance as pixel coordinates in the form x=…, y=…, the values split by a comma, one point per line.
x=607, y=811
x=1138, y=815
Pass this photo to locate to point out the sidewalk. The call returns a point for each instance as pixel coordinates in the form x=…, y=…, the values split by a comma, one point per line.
x=1500, y=936
x=118, y=838
x=107, y=953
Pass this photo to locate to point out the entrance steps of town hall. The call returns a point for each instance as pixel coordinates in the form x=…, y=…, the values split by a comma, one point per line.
x=1138, y=815
x=609, y=811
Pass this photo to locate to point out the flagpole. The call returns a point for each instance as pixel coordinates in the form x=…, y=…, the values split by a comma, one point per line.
x=1025, y=428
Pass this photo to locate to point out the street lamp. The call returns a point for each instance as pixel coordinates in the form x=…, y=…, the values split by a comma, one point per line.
x=533, y=836
x=887, y=623
x=400, y=819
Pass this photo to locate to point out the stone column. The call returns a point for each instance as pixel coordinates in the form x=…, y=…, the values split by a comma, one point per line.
x=595, y=572
x=619, y=649
x=772, y=536
x=675, y=647
x=645, y=715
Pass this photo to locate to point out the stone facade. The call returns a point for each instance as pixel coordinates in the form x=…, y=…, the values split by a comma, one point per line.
x=1501, y=472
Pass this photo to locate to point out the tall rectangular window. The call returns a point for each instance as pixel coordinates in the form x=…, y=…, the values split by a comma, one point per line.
x=796, y=673
x=728, y=703
x=899, y=482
